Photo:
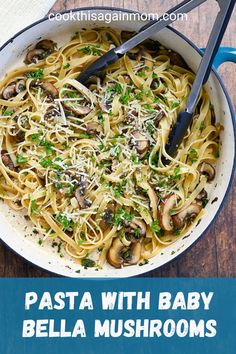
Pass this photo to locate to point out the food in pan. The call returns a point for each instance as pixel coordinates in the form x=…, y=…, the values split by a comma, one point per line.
x=85, y=163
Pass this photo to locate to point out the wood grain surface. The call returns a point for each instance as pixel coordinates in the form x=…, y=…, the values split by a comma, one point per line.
x=215, y=254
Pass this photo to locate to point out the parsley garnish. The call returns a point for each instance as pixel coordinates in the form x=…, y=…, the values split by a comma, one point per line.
x=33, y=208
x=176, y=175
x=8, y=113
x=141, y=73
x=145, y=261
x=48, y=146
x=117, y=88
x=150, y=128
x=118, y=189
x=155, y=227
x=121, y=215
x=204, y=202
x=135, y=159
x=66, y=66
x=202, y=126
x=154, y=76
x=88, y=263
x=216, y=153
x=21, y=159
x=175, y=105
x=36, y=136
x=100, y=117
x=91, y=50
x=37, y=74
x=149, y=108
x=66, y=222
x=193, y=155
x=126, y=97
x=45, y=163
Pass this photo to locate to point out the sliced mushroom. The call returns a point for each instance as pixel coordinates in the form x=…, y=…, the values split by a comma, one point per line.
x=119, y=254
x=187, y=215
x=20, y=136
x=125, y=35
x=105, y=106
x=155, y=84
x=136, y=223
x=49, y=89
x=7, y=161
x=52, y=111
x=114, y=253
x=132, y=55
x=47, y=45
x=9, y=92
x=80, y=195
x=135, y=253
x=92, y=128
x=207, y=169
x=202, y=195
x=131, y=115
x=76, y=108
x=158, y=118
x=165, y=218
x=151, y=45
x=34, y=55
x=107, y=216
x=20, y=86
x=141, y=143
x=176, y=59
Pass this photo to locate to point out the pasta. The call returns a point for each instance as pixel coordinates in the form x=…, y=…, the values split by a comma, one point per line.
x=85, y=162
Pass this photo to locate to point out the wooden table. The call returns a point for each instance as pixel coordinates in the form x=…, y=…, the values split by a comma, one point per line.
x=215, y=254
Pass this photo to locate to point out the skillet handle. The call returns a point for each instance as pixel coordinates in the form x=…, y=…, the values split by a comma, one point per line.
x=223, y=55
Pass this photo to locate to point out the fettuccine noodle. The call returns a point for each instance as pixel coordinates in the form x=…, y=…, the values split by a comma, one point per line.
x=86, y=162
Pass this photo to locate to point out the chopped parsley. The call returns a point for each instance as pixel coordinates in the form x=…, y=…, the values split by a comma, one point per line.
x=48, y=146
x=65, y=221
x=175, y=105
x=88, y=263
x=149, y=108
x=145, y=261
x=66, y=66
x=154, y=76
x=171, y=212
x=135, y=159
x=117, y=88
x=33, y=207
x=142, y=73
x=119, y=188
x=216, y=153
x=91, y=50
x=121, y=215
x=202, y=126
x=71, y=94
x=177, y=232
x=150, y=128
x=193, y=155
x=155, y=227
x=100, y=118
x=204, y=202
x=124, y=99
x=8, y=113
x=21, y=159
x=156, y=100
x=176, y=176
x=35, y=137
x=36, y=74
x=126, y=254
